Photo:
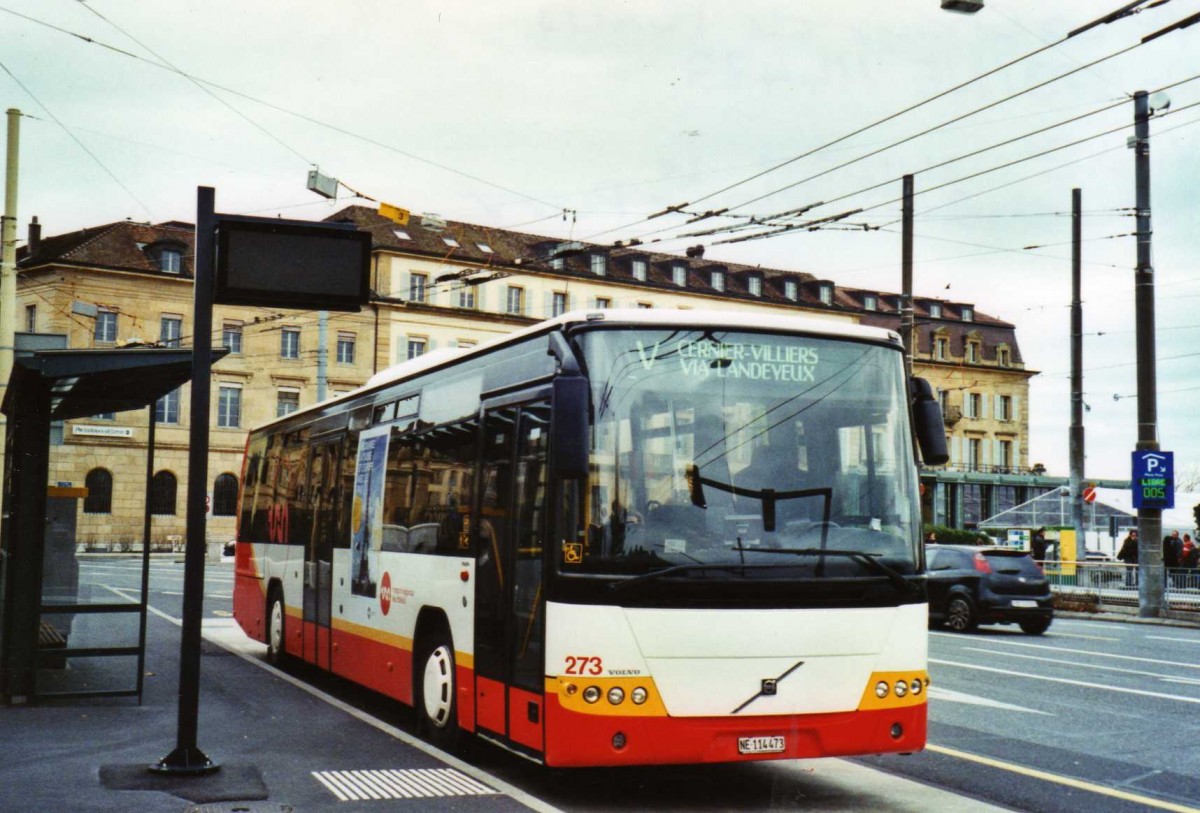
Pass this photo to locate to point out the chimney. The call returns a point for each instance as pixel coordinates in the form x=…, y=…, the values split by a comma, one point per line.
x=34, y=243
x=695, y=252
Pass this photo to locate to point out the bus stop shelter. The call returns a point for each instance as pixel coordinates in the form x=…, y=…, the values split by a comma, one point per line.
x=39, y=574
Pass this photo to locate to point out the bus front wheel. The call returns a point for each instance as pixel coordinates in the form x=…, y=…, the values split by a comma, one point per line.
x=434, y=684
x=276, y=625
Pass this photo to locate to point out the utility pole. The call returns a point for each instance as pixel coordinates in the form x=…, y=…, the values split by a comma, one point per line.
x=8, y=267
x=322, y=353
x=1076, y=438
x=1151, y=579
x=906, y=275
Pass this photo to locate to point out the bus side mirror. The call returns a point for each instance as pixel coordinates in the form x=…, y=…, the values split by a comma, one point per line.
x=928, y=423
x=570, y=436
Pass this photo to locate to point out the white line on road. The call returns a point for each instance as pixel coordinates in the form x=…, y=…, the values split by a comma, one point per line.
x=1077, y=635
x=1177, y=640
x=1083, y=683
x=1088, y=652
x=1073, y=663
x=940, y=693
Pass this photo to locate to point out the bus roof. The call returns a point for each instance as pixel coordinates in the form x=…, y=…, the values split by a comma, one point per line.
x=651, y=317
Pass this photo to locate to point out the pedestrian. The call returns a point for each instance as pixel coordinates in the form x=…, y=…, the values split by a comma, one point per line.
x=1172, y=548
x=1190, y=555
x=1037, y=545
x=931, y=538
x=1129, y=555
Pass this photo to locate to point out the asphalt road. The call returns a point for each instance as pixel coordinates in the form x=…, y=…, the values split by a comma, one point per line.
x=1096, y=716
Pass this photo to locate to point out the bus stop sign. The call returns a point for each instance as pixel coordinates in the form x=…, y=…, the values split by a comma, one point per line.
x=1153, y=479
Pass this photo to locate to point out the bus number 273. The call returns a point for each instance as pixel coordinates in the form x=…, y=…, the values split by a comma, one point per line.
x=584, y=665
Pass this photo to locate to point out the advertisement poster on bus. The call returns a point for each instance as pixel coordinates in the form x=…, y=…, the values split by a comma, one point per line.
x=366, y=521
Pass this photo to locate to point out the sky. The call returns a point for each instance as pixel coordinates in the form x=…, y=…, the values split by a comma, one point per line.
x=580, y=120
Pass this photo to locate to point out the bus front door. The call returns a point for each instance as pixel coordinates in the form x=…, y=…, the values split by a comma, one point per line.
x=318, y=556
x=510, y=605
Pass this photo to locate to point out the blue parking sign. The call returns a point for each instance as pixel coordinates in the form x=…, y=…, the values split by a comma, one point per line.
x=1153, y=479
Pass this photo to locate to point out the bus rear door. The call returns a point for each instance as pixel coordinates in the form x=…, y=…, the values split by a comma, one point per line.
x=323, y=480
x=509, y=607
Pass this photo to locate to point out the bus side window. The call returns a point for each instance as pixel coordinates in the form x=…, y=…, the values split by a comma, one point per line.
x=291, y=494
x=345, y=489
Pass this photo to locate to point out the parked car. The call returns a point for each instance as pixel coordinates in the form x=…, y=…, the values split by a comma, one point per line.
x=969, y=586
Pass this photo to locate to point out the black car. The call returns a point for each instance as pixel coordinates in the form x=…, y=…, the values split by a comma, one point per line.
x=969, y=586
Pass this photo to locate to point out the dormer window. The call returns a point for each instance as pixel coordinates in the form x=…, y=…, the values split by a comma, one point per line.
x=935, y=310
x=599, y=264
x=638, y=269
x=791, y=290
x=1003, y=358
x=968, y=313
x=754, y=285
x=679, y=274
x=717, y=280
x=825, y=294
x=870, y=303
x=167, y=255
x=973, y=352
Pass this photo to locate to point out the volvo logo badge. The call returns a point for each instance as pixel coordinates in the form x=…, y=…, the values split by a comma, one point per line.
x=769, y=685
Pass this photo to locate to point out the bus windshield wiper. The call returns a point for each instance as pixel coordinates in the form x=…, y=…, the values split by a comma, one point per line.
x=868, y=560
x=670, y=571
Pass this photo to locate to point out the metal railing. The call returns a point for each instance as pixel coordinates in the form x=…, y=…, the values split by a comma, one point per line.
x=1114, y=584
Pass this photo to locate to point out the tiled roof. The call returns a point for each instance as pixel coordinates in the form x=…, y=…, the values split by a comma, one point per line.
x=117, y=246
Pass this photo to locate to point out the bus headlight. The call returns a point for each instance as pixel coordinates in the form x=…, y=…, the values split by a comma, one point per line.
x=917, y=687
x=901, y=688
x=639, y=695
x=881, y=689
x=615, y=695
x=591, y=694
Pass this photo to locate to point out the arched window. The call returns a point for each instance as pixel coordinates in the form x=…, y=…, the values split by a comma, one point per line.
x=99, y=484
x=162, y=493
x=225, y=494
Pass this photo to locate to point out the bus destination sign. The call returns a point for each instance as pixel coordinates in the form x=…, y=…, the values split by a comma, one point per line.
x=1153, y=479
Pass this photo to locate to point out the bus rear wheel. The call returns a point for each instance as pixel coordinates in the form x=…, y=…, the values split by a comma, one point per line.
x=434, y=692
x=276, y=629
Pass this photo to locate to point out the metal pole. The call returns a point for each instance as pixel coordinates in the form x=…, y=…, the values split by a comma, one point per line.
x=187, y=758
x=146, y=530
x=322, y=353
x=1076, y=436
x=1151, y=579
x=906, y=274
x=8, y=261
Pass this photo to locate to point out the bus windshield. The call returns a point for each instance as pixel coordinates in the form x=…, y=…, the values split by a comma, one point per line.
x=733, y=455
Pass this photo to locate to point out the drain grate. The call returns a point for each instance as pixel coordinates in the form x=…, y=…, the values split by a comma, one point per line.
x=414, y=783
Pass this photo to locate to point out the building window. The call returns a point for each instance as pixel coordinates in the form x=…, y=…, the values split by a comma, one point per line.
x=943, y=400
x=345, y=348
x=31, y=318
x=599, y=264
x=935, y=311
x=645, y=305
x=416, y=348
x=231, y=337
x=1002, y=357
x=679, y=274
x=973, y=352
x=104, y=416
x=638, y=269
x=558, y=303
x=163, y=487
x=941, y=348
x=229, y=407
x=450, y=241
x=485, y=248
x=974, y=453
x=466, y=297
x=170, y=331
x=514, y=300
x=870, y=303
x=754, y=285
x=287, y=401
x=289, y=343
x=166, y=409
x=225, y=494
x=170, y=261
x=717, y=280
x=1004, y=454
x=106, y=326
x=968, y=313
x=791, y=290
x=603, y=302
x=825, y=293
x=972, y=403
x=99, y=483
x=418, y=285
x=466, y=344
x=401, y=234
x=1004, y=410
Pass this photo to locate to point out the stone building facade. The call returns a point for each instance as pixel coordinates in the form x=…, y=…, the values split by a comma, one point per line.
x=435, y=284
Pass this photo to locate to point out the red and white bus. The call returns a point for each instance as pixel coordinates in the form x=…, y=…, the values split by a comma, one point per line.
x=613, y=538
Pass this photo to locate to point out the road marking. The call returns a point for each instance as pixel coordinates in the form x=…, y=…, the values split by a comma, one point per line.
x=1177, y=640
x=1084, y=683
x=410, y=783
x=223, y=628
x=1067, y=781
x=1098, y=654
x=940, y=693
x=1077, y=635
x=1077, y=663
